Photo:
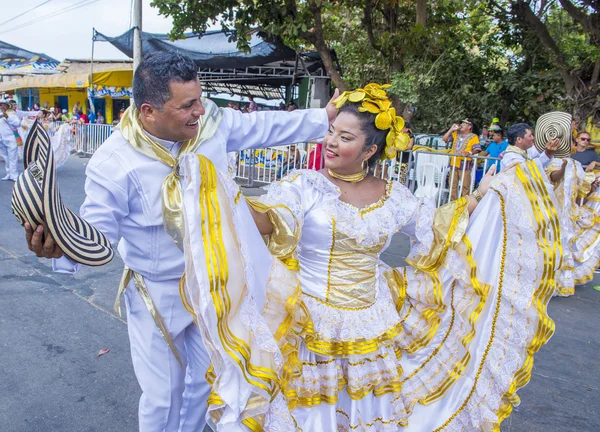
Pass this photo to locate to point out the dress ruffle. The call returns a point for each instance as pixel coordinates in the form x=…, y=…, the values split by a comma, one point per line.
x=444, y=349
x=580, y=227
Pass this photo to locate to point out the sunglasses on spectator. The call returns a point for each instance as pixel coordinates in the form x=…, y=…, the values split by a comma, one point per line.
x=585, y=139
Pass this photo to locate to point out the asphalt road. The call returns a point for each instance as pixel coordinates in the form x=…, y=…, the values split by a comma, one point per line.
x=52, y=326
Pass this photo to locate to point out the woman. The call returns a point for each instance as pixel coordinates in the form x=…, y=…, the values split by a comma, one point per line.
x=581, y=223
x=340, y=340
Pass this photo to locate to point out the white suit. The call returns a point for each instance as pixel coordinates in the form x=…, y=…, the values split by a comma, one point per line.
x=123, y=189
x=8, y=144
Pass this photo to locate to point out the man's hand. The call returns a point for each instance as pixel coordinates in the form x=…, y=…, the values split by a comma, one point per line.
x=591, y=166
x=45, y=249
x=551, y=147
x=330, y=108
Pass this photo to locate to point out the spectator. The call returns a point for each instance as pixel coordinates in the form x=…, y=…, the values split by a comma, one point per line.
x=315, y=160
x=484, y=134
x=498, y=145
x=405, y=155
x=465, y=142
x=252, y=106
x=83, y=118
x=282, y=106
x=36, y=107
x=584, y=153
x=56, y=115
x=292, y=160
x=65, y=115
x=121, y=112
x=100, y=119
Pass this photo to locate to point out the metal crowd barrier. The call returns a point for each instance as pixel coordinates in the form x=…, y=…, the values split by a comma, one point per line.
x=85, y=138
x=425, y=173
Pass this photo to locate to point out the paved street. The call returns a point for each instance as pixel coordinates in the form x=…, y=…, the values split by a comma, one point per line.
x=52, y=326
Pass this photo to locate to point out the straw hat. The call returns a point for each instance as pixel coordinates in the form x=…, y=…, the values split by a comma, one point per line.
x=36, y=199
x=555, y=124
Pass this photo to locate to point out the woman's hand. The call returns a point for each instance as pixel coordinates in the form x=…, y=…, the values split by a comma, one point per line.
x=484, y=184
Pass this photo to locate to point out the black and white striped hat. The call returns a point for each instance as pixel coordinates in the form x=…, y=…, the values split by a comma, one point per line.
x=36, y=199
x=555, y=124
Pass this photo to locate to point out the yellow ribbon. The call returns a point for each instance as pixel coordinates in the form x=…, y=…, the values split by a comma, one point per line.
x=142, y=289
x=133, y=132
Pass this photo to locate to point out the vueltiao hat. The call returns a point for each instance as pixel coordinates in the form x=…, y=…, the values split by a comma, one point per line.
x=555, y=124
x=36, y=199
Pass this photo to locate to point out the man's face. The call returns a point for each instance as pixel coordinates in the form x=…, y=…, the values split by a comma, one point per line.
x=527, y=141
x=178, y=118
x=583, y=142
x=465, y=127
x=3, y=107
x=497, y=137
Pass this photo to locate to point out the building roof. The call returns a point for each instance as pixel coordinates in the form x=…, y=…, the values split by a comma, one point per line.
x=215, y=49
x=19, y=61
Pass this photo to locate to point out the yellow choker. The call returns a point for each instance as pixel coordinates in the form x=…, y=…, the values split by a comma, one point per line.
x=351, y=178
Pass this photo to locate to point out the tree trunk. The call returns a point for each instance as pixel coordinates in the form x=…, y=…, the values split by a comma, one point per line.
x=531, y=22
x=318, y=40
x=421, y=13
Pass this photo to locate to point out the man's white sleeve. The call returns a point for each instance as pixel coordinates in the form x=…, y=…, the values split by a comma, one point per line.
x=273, y=128
x=105, y=205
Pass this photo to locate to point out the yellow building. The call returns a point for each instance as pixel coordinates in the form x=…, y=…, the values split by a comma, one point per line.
x=73, y=84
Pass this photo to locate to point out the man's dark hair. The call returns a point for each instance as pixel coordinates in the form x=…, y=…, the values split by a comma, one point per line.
x=367, y=125
x=517, y=131
x=154, y=74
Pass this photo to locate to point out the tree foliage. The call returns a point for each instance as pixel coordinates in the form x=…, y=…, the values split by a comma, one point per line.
x=446, y=59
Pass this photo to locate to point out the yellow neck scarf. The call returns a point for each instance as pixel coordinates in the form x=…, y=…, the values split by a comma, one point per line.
x=131, y=128
x=517, y=150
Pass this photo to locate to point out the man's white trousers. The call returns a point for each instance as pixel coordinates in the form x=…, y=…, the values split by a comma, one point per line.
x=173, y=398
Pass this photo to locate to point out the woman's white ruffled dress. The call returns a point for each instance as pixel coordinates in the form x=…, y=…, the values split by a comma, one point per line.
x=327, y=337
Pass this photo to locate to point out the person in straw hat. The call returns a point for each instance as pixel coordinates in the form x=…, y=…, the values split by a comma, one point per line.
x=9, y=124
x=133, y=197
x=580, y=224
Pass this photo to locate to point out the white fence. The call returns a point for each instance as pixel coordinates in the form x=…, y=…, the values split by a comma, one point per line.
x=426, y=174
x=86, y=138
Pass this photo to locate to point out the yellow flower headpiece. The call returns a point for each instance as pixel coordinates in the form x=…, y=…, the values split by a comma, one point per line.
x=374, y=99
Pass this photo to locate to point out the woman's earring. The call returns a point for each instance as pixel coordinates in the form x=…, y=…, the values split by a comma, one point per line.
x=365, y=164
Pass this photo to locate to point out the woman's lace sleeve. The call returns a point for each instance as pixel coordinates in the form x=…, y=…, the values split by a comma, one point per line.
x=434, y=231
x=283, y=204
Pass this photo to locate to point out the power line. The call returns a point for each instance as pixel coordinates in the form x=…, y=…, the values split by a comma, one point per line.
x=50, y=15
x=23, y=13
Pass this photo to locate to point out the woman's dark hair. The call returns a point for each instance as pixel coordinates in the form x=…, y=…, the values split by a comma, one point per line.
x=367, y=126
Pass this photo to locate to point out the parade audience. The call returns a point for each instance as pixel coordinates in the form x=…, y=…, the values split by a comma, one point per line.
x=465, y=142
x=584, y=153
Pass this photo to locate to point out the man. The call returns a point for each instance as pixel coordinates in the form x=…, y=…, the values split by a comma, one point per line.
x=584, y=154
x=498, y=145
x=125, y=179
x=9, y=125
x=464, y=143
x=521, y=139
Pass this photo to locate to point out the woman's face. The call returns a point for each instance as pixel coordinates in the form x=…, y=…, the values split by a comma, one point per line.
x=344, y=145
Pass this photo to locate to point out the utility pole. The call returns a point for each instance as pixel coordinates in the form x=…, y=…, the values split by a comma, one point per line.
x=137, y=33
